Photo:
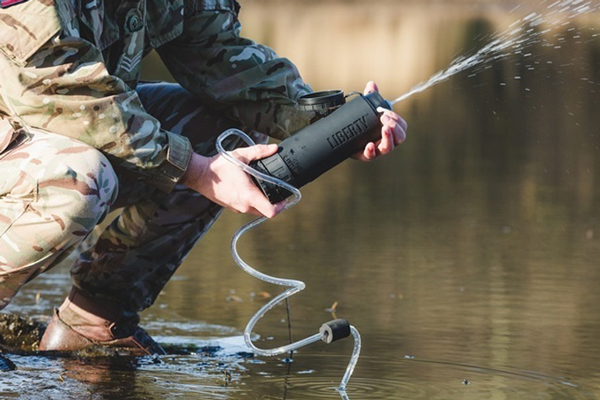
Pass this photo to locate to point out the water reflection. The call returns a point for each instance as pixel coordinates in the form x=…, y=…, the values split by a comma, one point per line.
x=470, y=254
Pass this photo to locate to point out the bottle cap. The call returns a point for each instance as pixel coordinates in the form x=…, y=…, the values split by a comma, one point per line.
x=323, y=100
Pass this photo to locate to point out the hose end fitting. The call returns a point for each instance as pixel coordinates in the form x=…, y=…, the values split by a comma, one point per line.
x=335, y=330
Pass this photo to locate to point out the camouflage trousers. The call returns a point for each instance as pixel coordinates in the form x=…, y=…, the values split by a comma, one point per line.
x=55, y=190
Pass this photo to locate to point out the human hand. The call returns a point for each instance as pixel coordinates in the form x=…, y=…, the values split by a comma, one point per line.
x=229, y=186
x=393, y=132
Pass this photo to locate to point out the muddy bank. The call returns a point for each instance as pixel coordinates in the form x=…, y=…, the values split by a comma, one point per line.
x=21, y=334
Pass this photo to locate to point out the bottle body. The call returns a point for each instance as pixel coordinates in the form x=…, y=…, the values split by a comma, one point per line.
x=321, y=146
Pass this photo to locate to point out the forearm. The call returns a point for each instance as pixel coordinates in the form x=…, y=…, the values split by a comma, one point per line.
x=196, y=171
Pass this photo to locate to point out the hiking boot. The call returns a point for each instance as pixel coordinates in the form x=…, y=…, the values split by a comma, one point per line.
x=80, y=324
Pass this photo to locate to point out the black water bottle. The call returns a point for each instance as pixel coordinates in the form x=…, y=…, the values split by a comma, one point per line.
x=341, y=130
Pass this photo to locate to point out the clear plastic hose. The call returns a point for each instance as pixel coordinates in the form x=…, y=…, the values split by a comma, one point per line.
x=295, y=286
x=353, y=361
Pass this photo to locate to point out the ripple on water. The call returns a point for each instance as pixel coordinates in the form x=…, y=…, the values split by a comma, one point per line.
x=310, y=376
x=414, y=379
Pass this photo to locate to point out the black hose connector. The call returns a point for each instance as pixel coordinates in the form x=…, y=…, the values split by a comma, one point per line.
x=335, y=330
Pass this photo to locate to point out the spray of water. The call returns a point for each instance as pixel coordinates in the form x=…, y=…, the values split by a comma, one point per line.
x=514, y=40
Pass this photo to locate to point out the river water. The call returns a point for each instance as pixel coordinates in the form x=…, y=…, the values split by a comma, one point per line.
x=468, y=259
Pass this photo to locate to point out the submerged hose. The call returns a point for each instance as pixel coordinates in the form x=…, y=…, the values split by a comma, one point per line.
x=295, y=286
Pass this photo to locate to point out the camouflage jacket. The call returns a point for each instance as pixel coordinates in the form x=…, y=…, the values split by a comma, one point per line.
x=71, y=67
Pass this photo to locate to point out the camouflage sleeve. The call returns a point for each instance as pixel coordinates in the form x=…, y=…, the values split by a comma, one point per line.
x=247, y=81
x=61, y=85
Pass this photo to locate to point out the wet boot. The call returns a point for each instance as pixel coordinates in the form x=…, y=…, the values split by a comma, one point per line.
x=81, y=324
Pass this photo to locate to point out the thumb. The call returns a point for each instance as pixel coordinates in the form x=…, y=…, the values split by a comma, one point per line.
x=371, y=87
x=256, y=152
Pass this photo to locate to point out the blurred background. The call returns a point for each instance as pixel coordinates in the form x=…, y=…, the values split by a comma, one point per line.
x=468, y=259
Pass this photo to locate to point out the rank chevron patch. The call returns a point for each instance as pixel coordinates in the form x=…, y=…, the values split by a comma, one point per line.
x=128, y=63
